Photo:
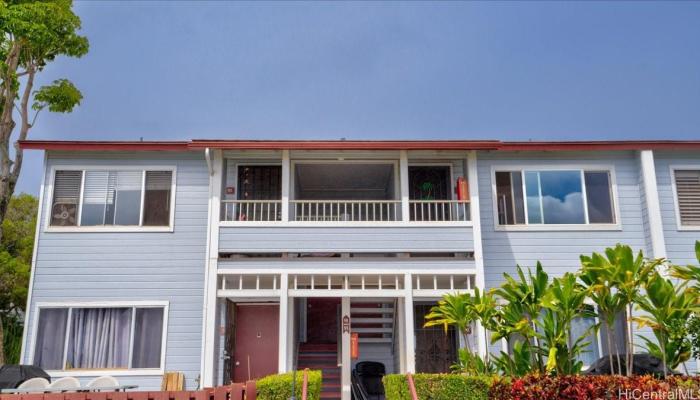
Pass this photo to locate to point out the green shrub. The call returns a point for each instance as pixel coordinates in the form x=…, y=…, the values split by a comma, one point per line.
x=438, y=387
x=279, y=387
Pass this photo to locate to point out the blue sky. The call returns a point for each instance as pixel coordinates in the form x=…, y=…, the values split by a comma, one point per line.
x=511, y=70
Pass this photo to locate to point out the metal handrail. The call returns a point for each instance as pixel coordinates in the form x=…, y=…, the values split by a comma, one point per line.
x=305, y=384
x=412, y=386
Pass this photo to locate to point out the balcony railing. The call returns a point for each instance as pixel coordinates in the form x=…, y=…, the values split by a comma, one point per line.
x=439, y=210
x=251, y=210
x=345, y=210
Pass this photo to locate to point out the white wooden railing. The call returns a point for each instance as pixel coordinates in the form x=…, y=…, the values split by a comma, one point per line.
x=251, y=210
x=438, y=210
x=345, y=210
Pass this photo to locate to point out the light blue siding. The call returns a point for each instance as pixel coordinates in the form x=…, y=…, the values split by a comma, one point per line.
x=400, y=265
x=346, y=239
x=558, y=250
x=680, y=245
x=134, y=266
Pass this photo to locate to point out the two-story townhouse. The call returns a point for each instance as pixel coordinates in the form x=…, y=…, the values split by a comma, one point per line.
x=230, y=259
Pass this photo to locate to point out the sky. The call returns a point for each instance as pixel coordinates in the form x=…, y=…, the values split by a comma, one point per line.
x=365, y=70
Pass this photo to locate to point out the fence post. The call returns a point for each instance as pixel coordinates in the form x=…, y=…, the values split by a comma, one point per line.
x=411, y=386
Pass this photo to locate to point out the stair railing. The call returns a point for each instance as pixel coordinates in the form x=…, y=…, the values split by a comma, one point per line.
x=305, y=384
x=412, y=386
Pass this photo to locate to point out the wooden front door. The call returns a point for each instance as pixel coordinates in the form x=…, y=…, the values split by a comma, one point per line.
x=436, y=350
x=322, y=320
x=256, y=346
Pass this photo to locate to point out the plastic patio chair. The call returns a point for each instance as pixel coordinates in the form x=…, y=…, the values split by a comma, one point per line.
x=68, y=383
x=101, y=382
x=34, y=383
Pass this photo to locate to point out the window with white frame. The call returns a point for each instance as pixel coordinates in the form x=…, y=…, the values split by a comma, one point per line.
x=554, y=197
x=687, y=184
x=70, y=338
x=111, y=198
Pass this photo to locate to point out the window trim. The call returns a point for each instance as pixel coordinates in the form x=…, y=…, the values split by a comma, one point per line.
x=165, y=305
x=110, y=228
x=617, y=226
x=676, y=207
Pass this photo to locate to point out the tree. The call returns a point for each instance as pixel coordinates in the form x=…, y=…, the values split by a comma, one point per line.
x=34, y=33
x=453, y=310
x=15, y=259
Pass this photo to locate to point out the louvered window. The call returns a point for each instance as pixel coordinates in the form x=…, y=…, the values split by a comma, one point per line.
x=112, y=198
x=66, y=196
x=688, y=193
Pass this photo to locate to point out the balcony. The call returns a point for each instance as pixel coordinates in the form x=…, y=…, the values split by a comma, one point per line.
x=343, y=192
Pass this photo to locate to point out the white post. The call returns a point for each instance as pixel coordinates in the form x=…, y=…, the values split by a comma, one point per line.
x=286, y=174
x=293, y=339
x=209, y=337
x=476, y=233
x=345, y=338
x=283, y=325
x=409, y=334
x=403, y=175
x=651, y=193
x=400, y=331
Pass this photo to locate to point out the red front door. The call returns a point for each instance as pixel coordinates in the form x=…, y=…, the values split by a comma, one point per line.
x=256, y=344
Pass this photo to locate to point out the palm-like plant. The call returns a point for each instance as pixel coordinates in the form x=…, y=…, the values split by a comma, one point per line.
x=485, y=309
x=527, y=292
x=667, y=307
x=520, y=363
x=453, y=310
x=597, y=274
x=564, y=302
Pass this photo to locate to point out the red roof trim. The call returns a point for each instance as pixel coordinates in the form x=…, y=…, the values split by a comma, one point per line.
x=348, y=144
x=601, y=145
x=76, y=145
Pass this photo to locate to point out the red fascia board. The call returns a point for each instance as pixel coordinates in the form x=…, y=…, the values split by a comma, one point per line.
x=601, y=145
x=346, y=144
x=76, y=145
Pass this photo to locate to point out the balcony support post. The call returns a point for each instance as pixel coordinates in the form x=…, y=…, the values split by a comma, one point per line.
x=403, y=176
x=286, y=174
x=476, y=232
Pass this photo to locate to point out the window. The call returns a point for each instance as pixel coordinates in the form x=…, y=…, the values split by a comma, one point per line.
x=259, y=182
x=112, y=198
x=69, y=338
x=554, y=197
x=688, y=197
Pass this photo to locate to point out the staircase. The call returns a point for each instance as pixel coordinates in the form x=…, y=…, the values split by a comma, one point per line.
x=373, y=320
x=325, y=358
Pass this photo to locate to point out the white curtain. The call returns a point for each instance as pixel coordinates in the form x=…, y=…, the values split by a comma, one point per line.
x=99, y=338
x=50, y=338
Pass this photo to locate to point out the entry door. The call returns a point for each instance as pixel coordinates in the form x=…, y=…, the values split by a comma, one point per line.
x=256, y=341
x=322, y=320
x=436, y=350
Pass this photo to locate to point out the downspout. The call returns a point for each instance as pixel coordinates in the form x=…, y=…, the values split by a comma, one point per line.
x=207, y=156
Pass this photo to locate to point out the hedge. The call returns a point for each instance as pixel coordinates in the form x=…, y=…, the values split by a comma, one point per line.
x=279, y=387
x=438, y=387
x=582, y=387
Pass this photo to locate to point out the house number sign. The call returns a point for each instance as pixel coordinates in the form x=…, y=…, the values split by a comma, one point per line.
x=346, y=324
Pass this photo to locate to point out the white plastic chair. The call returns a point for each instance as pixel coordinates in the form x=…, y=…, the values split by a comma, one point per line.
x=34, y=384
x=68, y=383
x=102, y=382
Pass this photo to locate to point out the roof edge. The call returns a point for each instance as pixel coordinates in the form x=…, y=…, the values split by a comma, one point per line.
x=98, y=145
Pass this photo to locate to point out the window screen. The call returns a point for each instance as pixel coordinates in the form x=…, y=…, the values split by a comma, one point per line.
x=156, y=204
x=688, y=193
x=66, y=197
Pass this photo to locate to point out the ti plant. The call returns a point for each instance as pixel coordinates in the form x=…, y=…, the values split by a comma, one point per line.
x=518, y=364
x=667, y=308
x=453, y=310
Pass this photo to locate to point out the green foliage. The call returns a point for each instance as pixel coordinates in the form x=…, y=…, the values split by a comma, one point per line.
x=453, y=310
x=667, y=309
x=438, y=387
x=517, y=364
x=279, y=387
x=61, y=96
x=16, y=253
x=471, y=364
x=12, y=343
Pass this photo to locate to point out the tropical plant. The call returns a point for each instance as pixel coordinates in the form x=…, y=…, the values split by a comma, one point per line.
x=527, y=292
x=667, y=308
x=597, y=275
x=564, y=301
x=455, y=309
x=484, y=308
x=472, y=364
x=519, y=363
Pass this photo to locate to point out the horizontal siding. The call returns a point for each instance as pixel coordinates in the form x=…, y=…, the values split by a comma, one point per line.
x=345, y=239
x=558, y=250
x=132, y=266
x=680, y=245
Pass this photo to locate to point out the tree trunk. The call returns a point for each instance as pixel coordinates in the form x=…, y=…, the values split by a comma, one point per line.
x=630, y=342
x=2, y=343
